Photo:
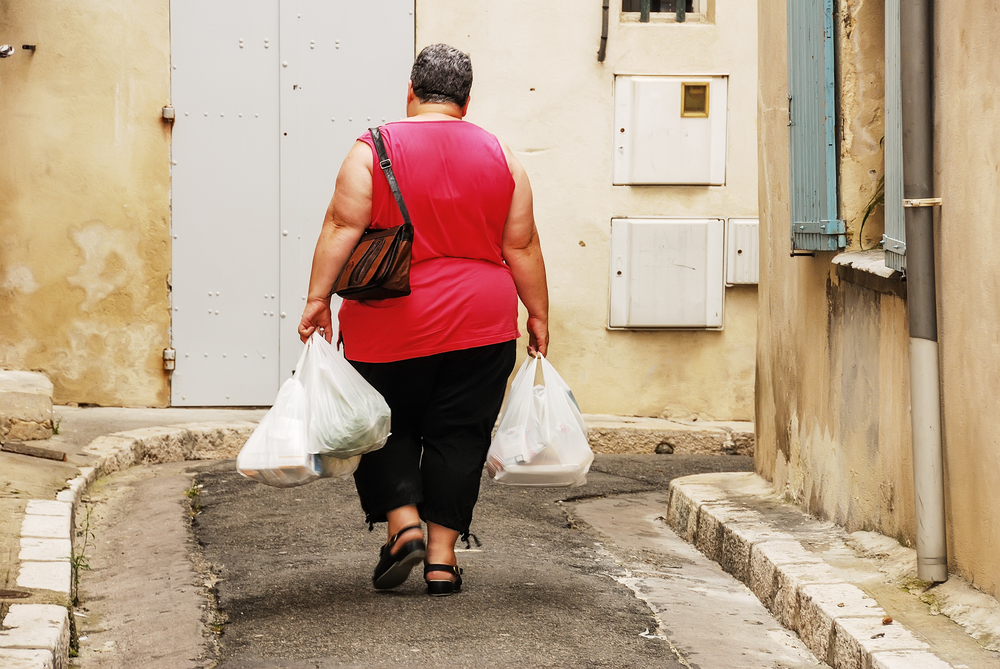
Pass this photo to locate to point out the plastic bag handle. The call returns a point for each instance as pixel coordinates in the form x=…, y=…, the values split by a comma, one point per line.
x=297, y=372
x=551, y=377
x=527, y=372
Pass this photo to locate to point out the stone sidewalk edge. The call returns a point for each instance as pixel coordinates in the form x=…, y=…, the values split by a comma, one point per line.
x=37, y=636
x=839, y=623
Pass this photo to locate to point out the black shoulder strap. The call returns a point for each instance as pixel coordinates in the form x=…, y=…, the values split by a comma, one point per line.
x=386, y=166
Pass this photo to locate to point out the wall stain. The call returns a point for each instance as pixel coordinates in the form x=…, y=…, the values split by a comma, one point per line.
x=19, y=279
x=110, y=261
x=859, y=381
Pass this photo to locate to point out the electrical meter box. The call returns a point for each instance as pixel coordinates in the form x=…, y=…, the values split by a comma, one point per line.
x=670, y=130
x=667, y=273
x=742, y=251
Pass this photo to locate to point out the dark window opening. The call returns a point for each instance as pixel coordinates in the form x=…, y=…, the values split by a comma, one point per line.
x=657, y=5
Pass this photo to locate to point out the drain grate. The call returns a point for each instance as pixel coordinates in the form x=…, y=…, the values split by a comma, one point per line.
x=14, y=594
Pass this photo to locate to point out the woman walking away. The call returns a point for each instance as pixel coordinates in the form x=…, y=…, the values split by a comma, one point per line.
x=441, y=355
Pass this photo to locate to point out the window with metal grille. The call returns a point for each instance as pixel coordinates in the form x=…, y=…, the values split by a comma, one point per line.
x=679, y=8
x=656, y=5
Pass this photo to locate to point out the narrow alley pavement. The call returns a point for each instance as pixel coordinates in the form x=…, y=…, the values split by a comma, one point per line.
x=585, y=577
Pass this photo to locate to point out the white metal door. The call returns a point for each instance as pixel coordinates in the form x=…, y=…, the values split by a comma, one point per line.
x=269, y=96
x=224, y=154
x=344, y=68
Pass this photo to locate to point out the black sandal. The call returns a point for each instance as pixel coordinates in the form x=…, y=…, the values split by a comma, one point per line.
x=443, y=587
x=394, y=567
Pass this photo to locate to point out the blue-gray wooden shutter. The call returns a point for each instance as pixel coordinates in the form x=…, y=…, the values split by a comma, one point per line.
x=894, y=239
x=812, y=123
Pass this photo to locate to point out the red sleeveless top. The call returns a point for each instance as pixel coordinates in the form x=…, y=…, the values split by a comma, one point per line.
x=457, y=187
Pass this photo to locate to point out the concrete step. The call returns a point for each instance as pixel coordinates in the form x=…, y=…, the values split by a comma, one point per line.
x=636, y=434
x=853, y=598
x=25, y=406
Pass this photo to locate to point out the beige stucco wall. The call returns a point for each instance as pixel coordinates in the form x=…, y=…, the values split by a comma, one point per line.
x=967, y=155
x=860, y=41
x=84, y=198
x=538, y=85
x=832, y=396
x=832, y=405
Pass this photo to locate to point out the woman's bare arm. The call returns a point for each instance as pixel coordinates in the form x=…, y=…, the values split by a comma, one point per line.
x=347, y=218
x=523, y=253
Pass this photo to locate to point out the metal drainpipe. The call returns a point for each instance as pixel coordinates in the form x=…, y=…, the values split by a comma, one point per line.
x=916, y=46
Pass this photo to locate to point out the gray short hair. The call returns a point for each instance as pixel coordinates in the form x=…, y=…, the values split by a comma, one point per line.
x=442, y=73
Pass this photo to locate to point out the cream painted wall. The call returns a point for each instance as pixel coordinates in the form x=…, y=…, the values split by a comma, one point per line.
x=84, y=198
x=539, y=87
x=832, y=408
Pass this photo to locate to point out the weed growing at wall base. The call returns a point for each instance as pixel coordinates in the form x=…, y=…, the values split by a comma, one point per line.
x=78, y=559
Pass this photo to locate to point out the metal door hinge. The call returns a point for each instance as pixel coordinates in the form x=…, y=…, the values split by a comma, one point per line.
x=818, y=228
x=168, y=113
x=169, y=358
x=893, y=245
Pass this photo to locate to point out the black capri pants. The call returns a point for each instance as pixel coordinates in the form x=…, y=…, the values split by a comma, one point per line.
x=443, y=407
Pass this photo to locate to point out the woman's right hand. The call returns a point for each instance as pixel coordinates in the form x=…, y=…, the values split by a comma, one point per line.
x=316, y=315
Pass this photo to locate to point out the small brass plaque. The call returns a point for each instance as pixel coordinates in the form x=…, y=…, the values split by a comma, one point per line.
x=694, y=99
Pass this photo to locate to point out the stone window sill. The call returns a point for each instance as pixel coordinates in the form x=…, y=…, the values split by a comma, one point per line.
x=661, y=17
x=868, y=270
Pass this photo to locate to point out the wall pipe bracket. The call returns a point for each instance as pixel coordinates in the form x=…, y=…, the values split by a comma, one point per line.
x=922, y=202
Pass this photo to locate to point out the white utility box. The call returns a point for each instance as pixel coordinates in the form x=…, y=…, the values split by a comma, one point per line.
x=670, y=130
x=667, y=273
x=742, y=251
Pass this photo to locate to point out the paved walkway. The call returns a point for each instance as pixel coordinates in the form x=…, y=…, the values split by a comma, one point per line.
x=834, y=589
x=38, y=499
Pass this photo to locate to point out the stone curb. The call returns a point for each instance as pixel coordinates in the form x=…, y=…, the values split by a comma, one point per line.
x=37, y=636
x=637, y=435
x=839, y=623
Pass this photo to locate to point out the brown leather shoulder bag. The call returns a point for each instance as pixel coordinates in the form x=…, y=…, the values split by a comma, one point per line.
x=379, y=266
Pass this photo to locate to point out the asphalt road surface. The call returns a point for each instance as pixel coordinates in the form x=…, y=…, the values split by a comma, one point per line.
x=583, y=577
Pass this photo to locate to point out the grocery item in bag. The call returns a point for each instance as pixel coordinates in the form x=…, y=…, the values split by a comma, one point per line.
x=278, y=451
x=323, y=419
x=542, y=438
x=347, y=417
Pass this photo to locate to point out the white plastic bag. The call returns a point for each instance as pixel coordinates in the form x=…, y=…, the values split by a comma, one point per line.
x=542, y=438
x=347, y=417
x=277, y=453
x=322, y=420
